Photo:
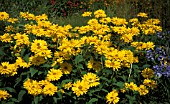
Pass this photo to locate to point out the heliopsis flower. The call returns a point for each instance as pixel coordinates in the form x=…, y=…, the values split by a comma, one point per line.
x=33, y=87
x=80, y=87
x=142, y=15
x=21, y=39
x=68, y=85
x=150, y=83
x=54, y=74
x=49, y=89
x=66, y=68
x=92, y=79
x=99, y=13
x=4, y=16
x=37, y=60
x=147, y=73
x=131, y=86
x=86, y=14
x=6, y=38
x=143, y=90
x=21, y=63
x=12, y=20
x=9, y=28
x=95, y=65
x=112, y=97
x=4, y=95
x=8, y=69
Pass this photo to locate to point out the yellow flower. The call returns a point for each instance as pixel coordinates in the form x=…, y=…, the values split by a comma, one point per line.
x=143, y=90
x=8, y=69
x=94, y=65
x=112, y=97
x=66, y=68
x=92, y=79
x=150, y=83
x=12, y=20
x=68, y=85
x=80, y=87
x=4, y=95
x=6, y=38
x=86, y=14
x=9, y=28
x=33, y=87
x=37, y=60
x=38, y=46
x=21, y=63
x=21, y=39
x=131, y=86
x=49, y=89
x=54, y=74
x=99, y=13
x=147, y=73
x=142, y=15
x=4, y=16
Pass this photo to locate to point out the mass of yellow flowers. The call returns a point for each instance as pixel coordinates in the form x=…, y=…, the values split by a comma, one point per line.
x=57, y=45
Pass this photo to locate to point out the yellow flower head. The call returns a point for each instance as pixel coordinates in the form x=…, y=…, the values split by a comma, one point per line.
x=80, y=87
x=68, y=85
x=99, y=13
x=4, y=95
x=142, y=15
x=112, y=97
x=86, y=14
x=6, y=38
x=4, y=16
x=49, y=89
x=147, y=73
x=66, y=68
x=33, y=87
x=54, y=74
x=150, y=83
x=92, y=79
x=143, y=90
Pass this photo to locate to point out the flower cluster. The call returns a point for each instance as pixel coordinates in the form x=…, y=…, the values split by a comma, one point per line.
x=79, y=61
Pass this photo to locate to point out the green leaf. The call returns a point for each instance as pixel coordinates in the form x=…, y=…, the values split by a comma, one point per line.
x=36, y=100
x=17, y=81
x=55, y=99
x=21, y=94
x=22, y=52
x=10, y=89
x=59, y=95
x=26, y=57
x=46, y=65
x=105, y=90
x=80, y=66
x=33, y=71
x=119, y=84
x=92, y=101
x=135, y=67
x=78, y=59
x=14, y=100
x=66, y=81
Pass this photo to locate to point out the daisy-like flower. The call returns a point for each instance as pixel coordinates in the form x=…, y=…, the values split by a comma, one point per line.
x=143, y=90
x=92, y=79
x=147, y=73
x=68, y=85
x=86, y=14
x=142, y=15
x=4, y=16
x=80, y=87
x=66, y=68
x=99, y=13
x=112, y=97
x=54, y=74
x=4, y=95
x=150, y=83
x=49, y=89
